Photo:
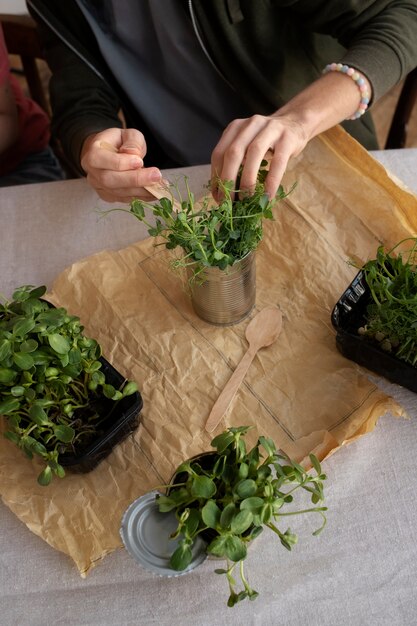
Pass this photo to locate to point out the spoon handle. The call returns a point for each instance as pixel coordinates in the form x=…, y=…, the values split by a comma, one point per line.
x=225, y=398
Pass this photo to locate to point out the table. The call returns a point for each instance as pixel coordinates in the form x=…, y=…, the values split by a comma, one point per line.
x=361, y=570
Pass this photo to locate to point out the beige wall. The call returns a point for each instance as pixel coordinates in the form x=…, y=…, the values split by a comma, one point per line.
x=13, y=6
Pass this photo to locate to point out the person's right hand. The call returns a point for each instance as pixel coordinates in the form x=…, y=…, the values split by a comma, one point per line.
x=113, y=162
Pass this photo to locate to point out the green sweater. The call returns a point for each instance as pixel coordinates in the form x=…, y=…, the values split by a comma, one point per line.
x=267, y=49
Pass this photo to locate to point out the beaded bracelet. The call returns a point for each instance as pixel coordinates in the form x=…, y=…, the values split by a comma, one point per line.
x=358, y=79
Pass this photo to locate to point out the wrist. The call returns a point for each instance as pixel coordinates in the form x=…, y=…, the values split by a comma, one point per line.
x=86, y=144
x=328, y=101
x=360, y=80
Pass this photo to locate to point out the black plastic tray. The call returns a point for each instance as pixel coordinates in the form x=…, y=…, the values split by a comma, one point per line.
x=123, y=419
x=347, y=316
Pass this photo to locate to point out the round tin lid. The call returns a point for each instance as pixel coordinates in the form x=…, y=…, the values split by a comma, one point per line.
x=146, y=535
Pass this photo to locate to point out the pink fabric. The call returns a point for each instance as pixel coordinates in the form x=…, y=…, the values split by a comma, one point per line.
x=4, y=59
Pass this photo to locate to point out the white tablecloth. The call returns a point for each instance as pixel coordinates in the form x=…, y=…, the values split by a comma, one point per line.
x=362, y=570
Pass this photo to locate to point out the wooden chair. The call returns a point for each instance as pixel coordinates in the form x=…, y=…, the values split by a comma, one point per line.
x=22, y=40
x=397, y=135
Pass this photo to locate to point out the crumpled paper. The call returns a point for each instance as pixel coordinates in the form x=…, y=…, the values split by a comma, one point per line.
x=300, y=391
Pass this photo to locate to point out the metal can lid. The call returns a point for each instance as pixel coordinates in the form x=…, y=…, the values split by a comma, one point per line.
x=146, y=532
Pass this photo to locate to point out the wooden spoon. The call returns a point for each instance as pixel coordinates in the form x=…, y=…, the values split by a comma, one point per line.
x=261, y=332
x=157, y=190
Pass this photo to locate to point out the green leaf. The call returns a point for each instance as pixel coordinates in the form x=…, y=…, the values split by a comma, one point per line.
x=136, y=207
x=5, y=349
x=37, y=292
x=98, y=377
x=17, y=391
x=268, y=445
x=23, y=326
x=218, y=546
x=267, y=513
x=246, y=488
x=22, y=293
x=166, y=504
x=59, y=343
x=243, y=470
x=192, y=522
x=64, y=433
x=222, y=441
x=227, y=515
x=51, y=372
x=255, y=532
x=23, y=360
x=28, y=346
x=38, y=448
x=14, y=437
x=202, y=487
x=253, y=504
x=92, y=367
x=232, y=600
x=7, y=375
x=8, y=406
x=241, y=522
x=41, y=358
x=59, y=471
x=45, y=477
x=38, y=415
x=210, y=514
x=315, y=463
x=235, y=548
x=181, y=558
x=30, y=394
x=109, y=391
x=74, y=356
x=129, y=389
x=288, y=539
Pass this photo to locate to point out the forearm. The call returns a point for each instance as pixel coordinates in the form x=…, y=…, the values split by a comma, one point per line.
x=328, y=101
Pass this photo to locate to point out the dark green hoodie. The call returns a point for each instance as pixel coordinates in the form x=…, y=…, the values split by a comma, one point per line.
x=269, y=50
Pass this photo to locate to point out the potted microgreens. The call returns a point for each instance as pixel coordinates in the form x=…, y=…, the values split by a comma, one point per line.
x=376, y=317
x=228, y=496
x=61, y=400
x=215, y=243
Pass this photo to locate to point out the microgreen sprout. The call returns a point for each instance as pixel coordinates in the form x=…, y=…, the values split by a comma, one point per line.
x=209, y=235
x=230, y=495
x=51, y=382
x=391, y=316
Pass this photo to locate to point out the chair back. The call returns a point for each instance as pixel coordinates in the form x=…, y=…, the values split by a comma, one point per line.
x=397, y=135
x=22, y=39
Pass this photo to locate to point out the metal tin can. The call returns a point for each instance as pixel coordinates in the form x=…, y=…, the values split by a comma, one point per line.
x=146, y=532
x=225, y=297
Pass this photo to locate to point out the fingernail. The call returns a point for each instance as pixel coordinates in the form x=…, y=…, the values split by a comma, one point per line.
x=155, y=176
x=136, y=162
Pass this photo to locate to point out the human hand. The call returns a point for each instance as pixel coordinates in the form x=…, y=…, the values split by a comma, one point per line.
x=113, y=162
x=247, y=141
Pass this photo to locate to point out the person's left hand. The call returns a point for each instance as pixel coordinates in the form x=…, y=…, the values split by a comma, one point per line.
x=247, y=141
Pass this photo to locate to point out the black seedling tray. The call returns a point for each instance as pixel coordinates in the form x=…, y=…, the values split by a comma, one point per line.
x=122, y=419
x=347, y=316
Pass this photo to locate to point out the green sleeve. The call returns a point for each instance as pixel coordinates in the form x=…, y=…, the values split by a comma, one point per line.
x=380, y=35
